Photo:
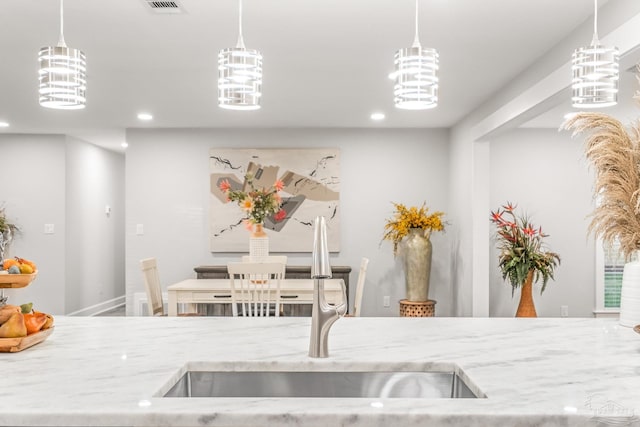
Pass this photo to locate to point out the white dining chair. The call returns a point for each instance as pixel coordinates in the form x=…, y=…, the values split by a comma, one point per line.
x=153, y=288
x=255, y=288
x=269, y=258
x=357, y=303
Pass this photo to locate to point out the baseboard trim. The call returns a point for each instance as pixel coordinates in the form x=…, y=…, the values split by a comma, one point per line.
x=100, y=308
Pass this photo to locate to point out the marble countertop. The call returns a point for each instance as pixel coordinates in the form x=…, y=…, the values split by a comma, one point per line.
x=108, y=371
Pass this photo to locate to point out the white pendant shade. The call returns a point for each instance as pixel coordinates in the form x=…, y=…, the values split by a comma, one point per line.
x=416, y=80
x=239, y=75
x=62, y=78
x=416, y=75
x=239, y=79
x=595, y=77
x=62, y=75
x=595, y=73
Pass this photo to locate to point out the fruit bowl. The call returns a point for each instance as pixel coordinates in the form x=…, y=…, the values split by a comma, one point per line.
x=13, y=345
x=17, y=280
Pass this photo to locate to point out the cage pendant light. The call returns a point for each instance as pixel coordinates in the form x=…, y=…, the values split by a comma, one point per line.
x=239, y=75
x=416, y=79
x=595, y=73
x=62, y=74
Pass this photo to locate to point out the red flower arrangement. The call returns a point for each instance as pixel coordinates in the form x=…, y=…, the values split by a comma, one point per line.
x=521, y=248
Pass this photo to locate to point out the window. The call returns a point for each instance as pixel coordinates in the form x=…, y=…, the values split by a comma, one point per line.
x=609, y=267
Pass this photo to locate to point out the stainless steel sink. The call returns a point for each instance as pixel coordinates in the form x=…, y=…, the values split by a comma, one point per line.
x=288, y=384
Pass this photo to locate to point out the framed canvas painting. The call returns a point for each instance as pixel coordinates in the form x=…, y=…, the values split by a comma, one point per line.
x=311, y=179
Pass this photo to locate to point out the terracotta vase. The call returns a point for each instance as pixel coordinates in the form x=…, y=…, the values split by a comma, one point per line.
x=258, y=244
x=526, y=307
x=415, y=250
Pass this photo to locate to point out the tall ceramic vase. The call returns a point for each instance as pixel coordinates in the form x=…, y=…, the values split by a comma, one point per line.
x=526, y=307
x=630, y=295
x=258, y=244
x=5, y=241
x=415, y=250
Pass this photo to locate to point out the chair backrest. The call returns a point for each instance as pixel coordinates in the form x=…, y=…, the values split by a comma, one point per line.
x=255, y=287
x=360, y=287
x=268, y=258
x=152, y=286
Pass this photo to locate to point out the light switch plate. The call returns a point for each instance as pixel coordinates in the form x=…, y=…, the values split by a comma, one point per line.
x=139, y=229
x=48, y=229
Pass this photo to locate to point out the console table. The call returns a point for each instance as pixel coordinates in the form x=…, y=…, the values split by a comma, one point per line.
x=291, y=272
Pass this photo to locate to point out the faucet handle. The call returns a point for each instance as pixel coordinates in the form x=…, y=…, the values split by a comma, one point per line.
x=341, y=309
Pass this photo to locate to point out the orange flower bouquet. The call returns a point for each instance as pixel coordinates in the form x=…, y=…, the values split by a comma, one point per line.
x=258, y=203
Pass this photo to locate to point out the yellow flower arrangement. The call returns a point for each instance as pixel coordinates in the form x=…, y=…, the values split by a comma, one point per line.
x=405, y=219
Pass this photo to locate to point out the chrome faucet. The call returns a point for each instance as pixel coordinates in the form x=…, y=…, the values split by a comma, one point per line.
x=323, y=315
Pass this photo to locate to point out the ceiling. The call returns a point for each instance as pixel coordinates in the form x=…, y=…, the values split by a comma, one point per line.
x=325, y=62
x=626, y=110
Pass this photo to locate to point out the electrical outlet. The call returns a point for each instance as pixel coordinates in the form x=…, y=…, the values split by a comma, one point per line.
x=564, y=311
x=386, y=301
x=139, y=229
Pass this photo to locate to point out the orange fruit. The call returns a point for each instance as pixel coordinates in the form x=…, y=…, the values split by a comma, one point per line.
x=8, y=263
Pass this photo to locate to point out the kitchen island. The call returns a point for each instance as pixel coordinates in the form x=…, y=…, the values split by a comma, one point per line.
x=110, y=371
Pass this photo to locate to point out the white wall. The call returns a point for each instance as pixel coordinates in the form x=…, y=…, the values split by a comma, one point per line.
x=513, y=105
x=32, y=178
x=95, y=239
x=461, y=230
x=546, y=174
x=168, y=193
x=47, y=179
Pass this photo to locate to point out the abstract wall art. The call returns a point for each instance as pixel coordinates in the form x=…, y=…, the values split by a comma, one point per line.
x=311, y=180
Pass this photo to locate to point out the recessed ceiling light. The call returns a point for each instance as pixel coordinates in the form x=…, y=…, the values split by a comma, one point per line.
x=4, y=125
x=124, y=144
x=145, y=116
x=377, y=116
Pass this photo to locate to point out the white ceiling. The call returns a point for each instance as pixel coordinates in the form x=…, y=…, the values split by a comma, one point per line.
x=325, y=61
x=626, y=110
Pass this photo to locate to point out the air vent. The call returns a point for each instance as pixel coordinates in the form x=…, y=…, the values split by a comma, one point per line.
x=164, y=6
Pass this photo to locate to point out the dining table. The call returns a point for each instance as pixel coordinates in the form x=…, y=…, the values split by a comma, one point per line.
x=218, y=291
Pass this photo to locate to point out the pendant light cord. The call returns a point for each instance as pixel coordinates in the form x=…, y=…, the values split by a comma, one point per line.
x=416, y=39
x=240, y=43
x=595, y=41
x=61, y=39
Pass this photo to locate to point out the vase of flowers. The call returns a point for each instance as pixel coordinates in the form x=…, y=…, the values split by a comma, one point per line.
x=258, y=204
x=7, y=231
x=410, y=230
x=614, y=153
x=523, y=258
